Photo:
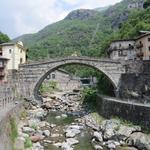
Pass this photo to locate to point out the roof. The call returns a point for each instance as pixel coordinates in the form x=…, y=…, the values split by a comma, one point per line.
x=143, y=35
x=121, y=40
x=8, y=43
x=14, y=43
x=4, y=58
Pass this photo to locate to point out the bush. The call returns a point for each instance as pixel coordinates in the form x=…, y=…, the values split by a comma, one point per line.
x=48, y=87
x=27, y=143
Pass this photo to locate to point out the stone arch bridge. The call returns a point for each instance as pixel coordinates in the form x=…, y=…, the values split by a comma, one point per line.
x=33, y=74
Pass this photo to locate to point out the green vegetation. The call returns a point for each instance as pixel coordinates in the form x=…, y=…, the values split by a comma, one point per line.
x=27, y=143
x=3, y=38
x=89, y=97
x=87, y=36
x=14, y=131
x=48, y=87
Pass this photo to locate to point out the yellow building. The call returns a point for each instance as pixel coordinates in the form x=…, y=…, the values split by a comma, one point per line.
x=15, y=53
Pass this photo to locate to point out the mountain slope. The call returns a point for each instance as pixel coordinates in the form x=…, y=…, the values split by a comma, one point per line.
x=84, y=31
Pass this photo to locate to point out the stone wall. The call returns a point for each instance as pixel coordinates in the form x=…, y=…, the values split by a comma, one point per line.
x=5, y=128
x=135, y=83
x=137, y=113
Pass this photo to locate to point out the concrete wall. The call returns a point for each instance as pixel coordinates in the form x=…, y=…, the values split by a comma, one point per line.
x=137, y=113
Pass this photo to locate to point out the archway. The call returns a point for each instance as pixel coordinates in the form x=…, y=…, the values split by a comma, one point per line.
x=41, y=79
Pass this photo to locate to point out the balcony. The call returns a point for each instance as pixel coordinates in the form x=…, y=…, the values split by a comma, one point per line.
x=139, y=45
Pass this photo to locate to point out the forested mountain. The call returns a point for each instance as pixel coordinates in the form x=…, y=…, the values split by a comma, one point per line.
x=87, y=32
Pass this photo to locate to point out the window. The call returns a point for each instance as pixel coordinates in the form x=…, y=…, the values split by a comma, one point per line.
x=148, y=39
x=53, y=76
x=10, y=51
x=149, y=48
x=21, y=60
x=119, y=45
x=1, y=53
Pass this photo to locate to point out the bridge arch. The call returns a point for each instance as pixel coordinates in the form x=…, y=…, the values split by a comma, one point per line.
x=73, y=62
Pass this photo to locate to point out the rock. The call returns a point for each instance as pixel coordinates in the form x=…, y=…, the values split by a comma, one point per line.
x=127, y=148
x=37, y=146
x=37, y=138
x=46, y=105
x=139, y=140
x=65, y=146
x=58, y=117
x=52, y=125
x=40, y=113
x=98, y=147
x=70, y=133
x=111, y=146
x=125, y=131
x=72, y=141
x=110, y=127
x=75, y=127
x=19, y=143
x=98, y=136
x=58, y=145
x=28, y=130
x=24, y=135
x=93, y=126
x=33, y=122
x=55, y=135
x=46, y=133
x=64, y=116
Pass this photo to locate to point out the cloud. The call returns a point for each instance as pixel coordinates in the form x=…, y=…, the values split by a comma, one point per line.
x=20, y=17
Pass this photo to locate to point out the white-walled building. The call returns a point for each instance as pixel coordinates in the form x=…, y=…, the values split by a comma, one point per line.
x=122, y=50
x=15, y=53
x=132, y=49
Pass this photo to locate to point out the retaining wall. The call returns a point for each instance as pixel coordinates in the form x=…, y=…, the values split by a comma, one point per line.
x=5, y=127
x=135, y=112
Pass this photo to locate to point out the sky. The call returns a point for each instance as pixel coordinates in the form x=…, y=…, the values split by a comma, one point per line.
x=19, y=17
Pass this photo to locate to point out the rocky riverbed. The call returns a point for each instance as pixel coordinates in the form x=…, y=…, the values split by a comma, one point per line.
x=63, y=122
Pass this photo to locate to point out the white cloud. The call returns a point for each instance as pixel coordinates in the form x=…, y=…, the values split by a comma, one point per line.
x=32, y=15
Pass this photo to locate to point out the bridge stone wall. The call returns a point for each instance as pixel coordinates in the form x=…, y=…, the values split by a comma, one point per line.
x=34, y=74
x=136, y=85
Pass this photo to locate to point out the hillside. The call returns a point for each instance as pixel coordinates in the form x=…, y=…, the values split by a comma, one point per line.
x=85, y=31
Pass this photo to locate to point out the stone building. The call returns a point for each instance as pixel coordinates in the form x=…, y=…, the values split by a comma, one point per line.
x=15, y=53
x=137, y=5
x=64, y=80
x=131, y=49
x=3, y=70
x=122, y=50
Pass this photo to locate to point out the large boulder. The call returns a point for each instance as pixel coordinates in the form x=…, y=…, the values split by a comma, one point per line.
x=125, y=131
x=109, y=128
x=98, y=136
x=139, y=140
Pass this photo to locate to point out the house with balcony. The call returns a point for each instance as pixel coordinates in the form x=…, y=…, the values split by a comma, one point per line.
x=142, y=46
x=15, y=52
x=122, y=50
x=3, y=69
x=131, y=49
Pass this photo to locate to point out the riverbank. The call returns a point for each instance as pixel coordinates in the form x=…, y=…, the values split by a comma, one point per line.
x=63, y=122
